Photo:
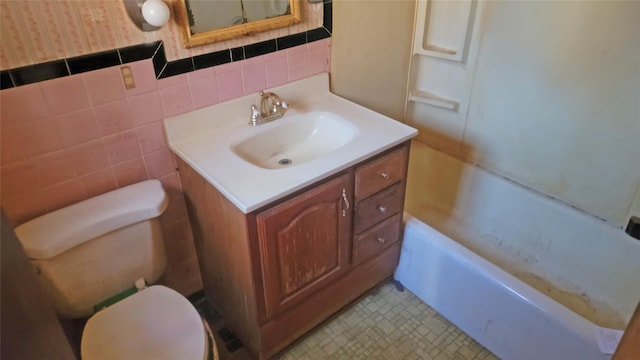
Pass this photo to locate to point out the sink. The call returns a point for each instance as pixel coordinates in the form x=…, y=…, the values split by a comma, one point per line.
x=295, y=139
x=253, y=166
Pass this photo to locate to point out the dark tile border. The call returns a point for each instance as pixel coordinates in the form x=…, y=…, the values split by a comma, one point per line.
x=155, y=51
x=79, y=64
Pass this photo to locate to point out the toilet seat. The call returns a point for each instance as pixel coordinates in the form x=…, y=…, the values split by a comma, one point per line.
x=155, y=323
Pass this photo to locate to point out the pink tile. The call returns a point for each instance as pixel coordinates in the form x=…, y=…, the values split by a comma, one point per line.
x=35, y=138
x=18, y=179
x=176, y=99
x=228, y=68
x=256, y=60
x=298, y=65
x=63, y=194
x=186, y=276
x=65, y=94
x=277, y=72
x=151, y=137
x=300, y=49
x=98, y=183
x=179, y=244
x=254, y=77
x=204, y=92
x=144, y=77
x=176, y=211
x=177, y=234
x=145, y=108
x=318, y=60
x=122, y=147
x=24, y=207
x=22, y=105
x=113, y=117
x=275, y=55
x=104, y=85
x=12, y=146
x=230, y=85
x=130, y=172
x=77, y=127
x=159, y=163
x=88, y=158
x=318, y=44
x=54, y=168
x=172, y=81
x=201, y=74
x=171, y=184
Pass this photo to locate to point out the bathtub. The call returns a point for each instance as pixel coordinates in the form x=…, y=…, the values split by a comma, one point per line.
x=526, y=276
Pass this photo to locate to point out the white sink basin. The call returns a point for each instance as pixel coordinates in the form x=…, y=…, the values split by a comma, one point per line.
x=321, y=133
x=295, y=139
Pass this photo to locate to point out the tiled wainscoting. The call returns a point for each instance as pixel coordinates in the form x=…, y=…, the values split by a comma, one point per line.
x=71, y=138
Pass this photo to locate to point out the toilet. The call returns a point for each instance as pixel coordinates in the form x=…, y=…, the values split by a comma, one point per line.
x=97, y=258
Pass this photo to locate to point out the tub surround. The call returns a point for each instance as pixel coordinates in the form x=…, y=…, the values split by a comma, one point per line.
x=519, y=250
x=530, y=236
x=204, y=138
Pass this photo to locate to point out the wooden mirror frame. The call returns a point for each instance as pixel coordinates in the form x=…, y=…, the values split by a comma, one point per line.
x=190, y=40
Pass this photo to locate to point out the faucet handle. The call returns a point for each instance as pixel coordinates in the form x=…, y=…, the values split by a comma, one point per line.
x=255, y=115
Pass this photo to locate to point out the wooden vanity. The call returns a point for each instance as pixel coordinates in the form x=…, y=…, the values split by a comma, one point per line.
x=276, y=272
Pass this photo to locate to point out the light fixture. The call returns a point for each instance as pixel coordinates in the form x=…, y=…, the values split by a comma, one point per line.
x=148, y=15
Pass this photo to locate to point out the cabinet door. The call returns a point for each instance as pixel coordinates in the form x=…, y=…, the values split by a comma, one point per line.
x=304, y=243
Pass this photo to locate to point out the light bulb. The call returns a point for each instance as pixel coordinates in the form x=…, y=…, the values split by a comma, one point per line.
x=155, y=12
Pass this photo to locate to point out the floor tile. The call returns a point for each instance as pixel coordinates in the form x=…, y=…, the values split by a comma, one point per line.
x=384, y=324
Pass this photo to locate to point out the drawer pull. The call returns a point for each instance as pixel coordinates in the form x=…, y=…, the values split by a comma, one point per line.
x=346, y=203
x=381, y=240
x=382, y=209
x=384, y=175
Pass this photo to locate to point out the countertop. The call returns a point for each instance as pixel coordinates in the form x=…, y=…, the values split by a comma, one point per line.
x=203, y=139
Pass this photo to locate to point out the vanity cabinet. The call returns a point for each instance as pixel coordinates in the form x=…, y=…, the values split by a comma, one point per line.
x=279, y=271
x=304, y=244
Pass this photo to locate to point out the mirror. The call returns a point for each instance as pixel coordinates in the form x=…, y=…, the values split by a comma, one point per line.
x=207, y=21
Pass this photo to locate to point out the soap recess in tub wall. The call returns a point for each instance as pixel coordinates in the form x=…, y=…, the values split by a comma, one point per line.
x=633, y=227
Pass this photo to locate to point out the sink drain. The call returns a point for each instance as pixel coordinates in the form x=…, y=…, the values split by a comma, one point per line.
x=285, y=161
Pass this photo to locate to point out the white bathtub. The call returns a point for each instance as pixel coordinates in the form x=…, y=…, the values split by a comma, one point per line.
x=496, y=229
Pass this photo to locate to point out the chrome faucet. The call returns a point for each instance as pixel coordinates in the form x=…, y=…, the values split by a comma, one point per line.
x=271, y=108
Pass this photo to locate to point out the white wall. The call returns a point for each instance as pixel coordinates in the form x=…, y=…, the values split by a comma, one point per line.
x=371, y=47
x=555, y=102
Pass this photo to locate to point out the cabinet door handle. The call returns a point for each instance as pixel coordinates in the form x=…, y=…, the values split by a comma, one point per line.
x=384, y=174
x=381, y=240
x=382, y=209
x=346, y=203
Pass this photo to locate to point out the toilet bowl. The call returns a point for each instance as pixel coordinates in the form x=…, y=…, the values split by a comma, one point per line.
x=92, y=252
x=155, y=323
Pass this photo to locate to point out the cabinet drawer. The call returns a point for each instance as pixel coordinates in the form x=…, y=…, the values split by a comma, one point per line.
x=376, y=239
x=378, y=207
x=380, y=173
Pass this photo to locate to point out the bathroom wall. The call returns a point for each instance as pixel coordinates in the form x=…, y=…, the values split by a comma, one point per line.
x=372, y=47
x=555, y=103
x=549, y=97
x=33, y=32
x=67, y=139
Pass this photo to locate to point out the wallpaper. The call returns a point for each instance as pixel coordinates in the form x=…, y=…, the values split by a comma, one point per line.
x=33, y=32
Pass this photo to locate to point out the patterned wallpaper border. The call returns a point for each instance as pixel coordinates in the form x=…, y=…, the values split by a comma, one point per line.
x=155, y=50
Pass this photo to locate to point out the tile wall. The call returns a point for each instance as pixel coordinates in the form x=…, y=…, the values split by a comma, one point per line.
x=71, y=138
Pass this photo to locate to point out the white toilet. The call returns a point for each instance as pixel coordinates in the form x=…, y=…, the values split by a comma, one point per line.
x=92, y=253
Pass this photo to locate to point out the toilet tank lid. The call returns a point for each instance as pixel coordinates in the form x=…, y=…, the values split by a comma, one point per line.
x=53, y=233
